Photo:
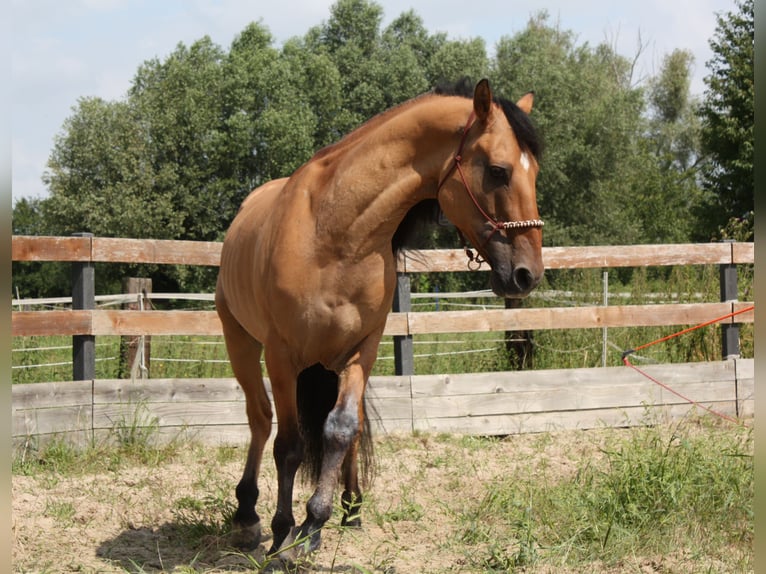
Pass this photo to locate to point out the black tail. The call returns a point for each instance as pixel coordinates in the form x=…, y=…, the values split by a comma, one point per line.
x=317, y=394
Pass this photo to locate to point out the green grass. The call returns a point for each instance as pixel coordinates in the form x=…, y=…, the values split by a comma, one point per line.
x=652, y=493
x=609, y=500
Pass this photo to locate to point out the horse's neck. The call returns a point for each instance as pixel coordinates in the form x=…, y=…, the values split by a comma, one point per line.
x=380, y=176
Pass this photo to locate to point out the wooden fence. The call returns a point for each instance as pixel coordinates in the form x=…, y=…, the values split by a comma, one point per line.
x=486, y=403
x=213, y=410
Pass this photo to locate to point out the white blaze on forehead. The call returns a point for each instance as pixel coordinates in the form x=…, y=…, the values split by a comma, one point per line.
x=524, y=160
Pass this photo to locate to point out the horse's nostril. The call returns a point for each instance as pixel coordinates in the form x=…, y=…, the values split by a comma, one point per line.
x=523, y=279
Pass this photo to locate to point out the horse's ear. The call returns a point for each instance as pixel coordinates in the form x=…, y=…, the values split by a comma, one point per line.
x=526, y=101
x=482, y=100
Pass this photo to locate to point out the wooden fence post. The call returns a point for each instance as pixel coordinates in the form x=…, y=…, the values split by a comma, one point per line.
x=83, y=297
x=727, y=273
x=404, y=361
x=519, y=344
x=129, y=346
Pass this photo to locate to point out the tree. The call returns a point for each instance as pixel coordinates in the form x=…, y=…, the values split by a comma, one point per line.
x=101, y=179
x=673, y=144
x=36, y=278
x=178, y=101
x=674, y=126
x=727, y=116
x=591, y=120
x=204, y=125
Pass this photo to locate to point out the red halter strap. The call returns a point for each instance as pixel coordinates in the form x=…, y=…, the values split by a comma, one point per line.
x=496, y=225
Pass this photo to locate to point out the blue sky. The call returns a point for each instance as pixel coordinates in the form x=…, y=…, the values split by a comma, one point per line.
x=64, y=50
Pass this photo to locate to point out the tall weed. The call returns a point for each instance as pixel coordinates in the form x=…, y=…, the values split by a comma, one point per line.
x=662, y=488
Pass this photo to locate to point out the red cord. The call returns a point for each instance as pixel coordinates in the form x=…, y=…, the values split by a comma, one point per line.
x=627, y=363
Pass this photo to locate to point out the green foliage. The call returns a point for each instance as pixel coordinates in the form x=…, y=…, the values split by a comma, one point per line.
x=128, y=444
x=727, y=116
x=202, y=126
x=211, y=515
x=602, y=181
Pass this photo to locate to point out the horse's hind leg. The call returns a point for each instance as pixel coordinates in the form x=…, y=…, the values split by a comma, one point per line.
x=245, y=356
x=288, y=445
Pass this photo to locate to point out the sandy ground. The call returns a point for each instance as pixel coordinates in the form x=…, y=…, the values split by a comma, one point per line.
x=136, y=519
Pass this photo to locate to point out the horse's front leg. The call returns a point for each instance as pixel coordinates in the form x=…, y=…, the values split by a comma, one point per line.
x=340, y=433
x=351, y=499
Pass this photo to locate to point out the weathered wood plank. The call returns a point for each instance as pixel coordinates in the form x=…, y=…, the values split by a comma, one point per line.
x=551, y=380
x=745, y=387
x=119, y=322
x=588, y=257
x=419, y=261
x=743, y=252
x=108, y=249
x=143, y=414
x=158, y=251
x=565, y=420
x=745, y=368
x=396, y=324
x=37, y=421
x=167, y=390
x=57, y=322
x=114, y=322
x=389, y=387
x=178, y=402
x=46, y=395
x=480, y=403
x=390, y=409
x=604, y=396
x=570, y=318
x=389, y=426
x=747, y=317
x=43, y=248
x=636, y=255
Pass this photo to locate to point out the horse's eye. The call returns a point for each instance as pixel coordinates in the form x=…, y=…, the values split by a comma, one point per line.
x=498, y=173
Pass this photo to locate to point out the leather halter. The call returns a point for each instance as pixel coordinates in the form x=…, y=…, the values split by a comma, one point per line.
x=496, y=225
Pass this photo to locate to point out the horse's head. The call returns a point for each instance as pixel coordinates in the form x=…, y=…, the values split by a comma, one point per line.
x=488, y=191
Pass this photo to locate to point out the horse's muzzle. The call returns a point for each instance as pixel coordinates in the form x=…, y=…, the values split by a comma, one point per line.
x=515, y=283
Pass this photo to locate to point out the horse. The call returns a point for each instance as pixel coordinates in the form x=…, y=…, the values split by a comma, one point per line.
x=308, y=272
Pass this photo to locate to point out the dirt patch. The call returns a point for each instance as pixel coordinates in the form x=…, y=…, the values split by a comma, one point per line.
x=142, y=519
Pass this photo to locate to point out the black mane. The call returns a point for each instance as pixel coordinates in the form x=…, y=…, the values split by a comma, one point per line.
x=426, y=212
x=525, y=131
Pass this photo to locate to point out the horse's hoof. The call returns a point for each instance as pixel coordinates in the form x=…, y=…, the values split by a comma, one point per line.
x=246, y=537
x=351, y=522
x=297, y=547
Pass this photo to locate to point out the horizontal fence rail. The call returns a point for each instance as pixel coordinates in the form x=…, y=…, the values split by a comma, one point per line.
x=84, y=322
x=213, y=410
x=175, y=252
x=112, y=322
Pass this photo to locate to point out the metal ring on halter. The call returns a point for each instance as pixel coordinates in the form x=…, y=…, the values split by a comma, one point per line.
x=476, y=260
x=475, y=263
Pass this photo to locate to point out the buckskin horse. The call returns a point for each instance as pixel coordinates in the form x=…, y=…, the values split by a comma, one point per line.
x=308, y=270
